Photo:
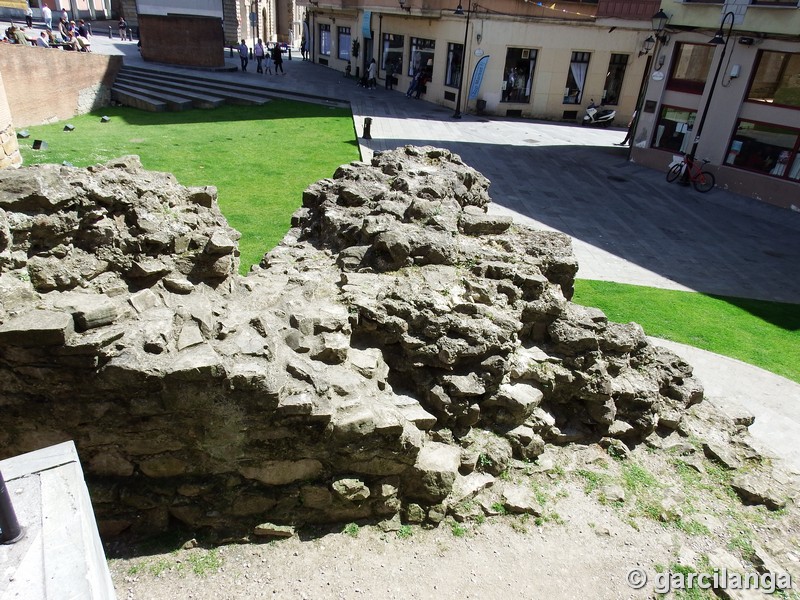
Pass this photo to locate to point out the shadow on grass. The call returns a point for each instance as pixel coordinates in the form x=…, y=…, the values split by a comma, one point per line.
x=275, y=109
x=785, y=316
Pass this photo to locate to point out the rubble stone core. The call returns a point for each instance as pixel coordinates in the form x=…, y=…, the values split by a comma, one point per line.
x=397, y=340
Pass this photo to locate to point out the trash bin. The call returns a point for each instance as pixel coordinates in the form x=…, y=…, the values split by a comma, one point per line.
x=481, y=106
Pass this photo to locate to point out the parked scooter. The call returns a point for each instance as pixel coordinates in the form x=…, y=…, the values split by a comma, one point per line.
x=598, y=115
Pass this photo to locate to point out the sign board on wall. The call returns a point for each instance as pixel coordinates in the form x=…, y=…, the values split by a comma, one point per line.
x=192, y=8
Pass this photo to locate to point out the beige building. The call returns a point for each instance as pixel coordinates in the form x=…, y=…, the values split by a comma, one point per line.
x=270, y=20
x=739, y=96
x=548, y=60
x=543, y=60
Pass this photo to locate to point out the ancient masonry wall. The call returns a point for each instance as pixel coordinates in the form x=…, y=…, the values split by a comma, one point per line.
x=10, y=156
x=397, y=334
x=66, y=83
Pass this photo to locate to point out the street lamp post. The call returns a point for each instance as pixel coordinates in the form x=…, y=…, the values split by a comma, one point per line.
x=718, y=39
x=460, y=11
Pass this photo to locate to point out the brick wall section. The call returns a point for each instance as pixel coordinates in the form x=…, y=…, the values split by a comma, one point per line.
x=44, y=85
x=191, y=41
x=9, y=148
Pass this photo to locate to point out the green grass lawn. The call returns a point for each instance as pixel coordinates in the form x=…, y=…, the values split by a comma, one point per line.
x=765, y=334
x=261, y=158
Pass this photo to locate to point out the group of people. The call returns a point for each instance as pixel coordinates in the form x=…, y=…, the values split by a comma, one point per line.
x=370, y=79
x=72, y=40
x=267, y=56
x=418, y=81
x=68, y=35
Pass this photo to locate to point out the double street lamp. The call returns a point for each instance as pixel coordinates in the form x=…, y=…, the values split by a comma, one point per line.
x=460, y=11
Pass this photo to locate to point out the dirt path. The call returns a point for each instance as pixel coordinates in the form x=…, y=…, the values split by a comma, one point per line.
x=601, y=517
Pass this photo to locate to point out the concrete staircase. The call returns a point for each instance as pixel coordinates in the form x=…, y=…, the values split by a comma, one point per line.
x=156, y=90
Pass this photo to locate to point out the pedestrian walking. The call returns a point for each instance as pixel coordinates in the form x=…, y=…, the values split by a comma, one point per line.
x=372, y=74
x=122, y=28
x=629, y=133
x=268, y=60
x=258, y=52
x=243, y=52
x=277, y=56
x=412, y=87
x=47, y=16
x=28, y=15
x=423, y=79
x=303, y=48
x=390, y=74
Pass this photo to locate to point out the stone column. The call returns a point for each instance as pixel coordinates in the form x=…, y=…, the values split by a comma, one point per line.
x=9, y=148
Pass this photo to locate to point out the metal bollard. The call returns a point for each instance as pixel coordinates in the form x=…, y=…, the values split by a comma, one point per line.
x=110, y=34
x=290, y=53
x=10, y=531
x=367, y=125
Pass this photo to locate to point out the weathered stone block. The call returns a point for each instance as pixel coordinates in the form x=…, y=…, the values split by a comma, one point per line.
x=37, y=328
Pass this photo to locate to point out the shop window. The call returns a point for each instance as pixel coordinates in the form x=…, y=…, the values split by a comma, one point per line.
x=324, y=39
x=673, y=131
x=421, y=58
x=452, y=76
x=393, y=51
x=768, y=149
x=614, y=78
x=690, y=67
x=576, y=77
x=518, y=75
x=777, y=79
x=344, y=43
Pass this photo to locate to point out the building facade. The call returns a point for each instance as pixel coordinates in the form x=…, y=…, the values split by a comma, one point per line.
x=737, y=99
x=90, y=10
x=541, y=60
x=548, y=60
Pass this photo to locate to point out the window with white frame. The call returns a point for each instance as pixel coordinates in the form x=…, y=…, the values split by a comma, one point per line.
x=576, y=77
x=674, y=128
x=518, y=75
x=614, y=78
x=325, y=39
x=455, y=54
x=421, y=57
x=766, y=148
x=393, y=51
x=344, y=43
x=776, y=80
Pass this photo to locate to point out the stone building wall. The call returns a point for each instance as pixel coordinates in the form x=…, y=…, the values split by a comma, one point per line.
x=395, y=335
x=66, y=83
x=9, y=155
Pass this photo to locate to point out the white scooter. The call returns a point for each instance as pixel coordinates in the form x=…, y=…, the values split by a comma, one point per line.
x=598, y=115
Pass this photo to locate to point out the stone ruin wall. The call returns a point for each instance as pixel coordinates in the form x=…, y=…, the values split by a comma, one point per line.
x=9, y=148
x=397, y=334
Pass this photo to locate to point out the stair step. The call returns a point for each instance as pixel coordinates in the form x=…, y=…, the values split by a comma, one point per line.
x=199, y=99
x=137, y=85
x=250, y=95
x=139, y=101
x=242, y=87
x=174, y=103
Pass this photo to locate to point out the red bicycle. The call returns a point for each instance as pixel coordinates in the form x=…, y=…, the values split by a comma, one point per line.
x=701, y=180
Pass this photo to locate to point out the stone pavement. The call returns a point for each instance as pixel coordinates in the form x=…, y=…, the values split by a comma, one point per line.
x=627, y=223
